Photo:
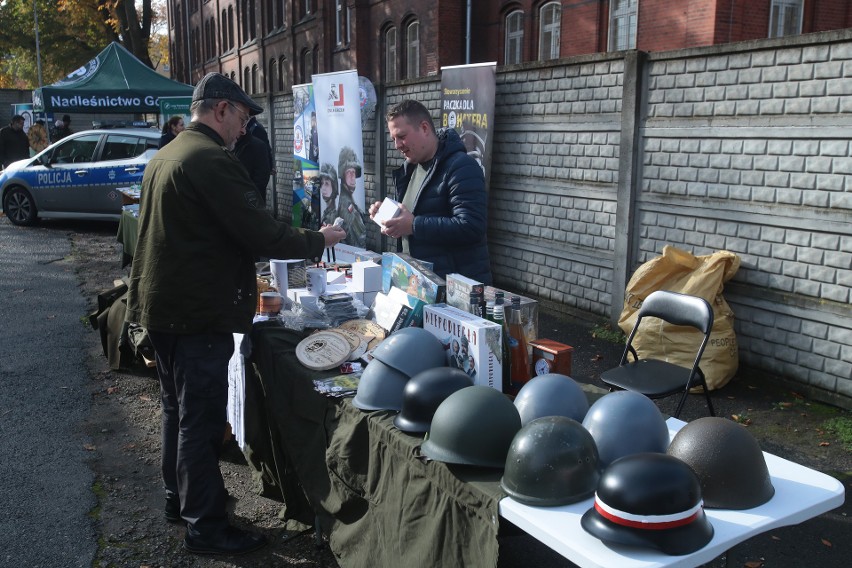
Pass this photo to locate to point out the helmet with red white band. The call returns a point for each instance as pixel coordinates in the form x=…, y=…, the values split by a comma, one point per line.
x=649, y=500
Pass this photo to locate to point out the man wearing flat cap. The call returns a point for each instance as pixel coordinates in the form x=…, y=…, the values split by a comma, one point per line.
x=192, y=285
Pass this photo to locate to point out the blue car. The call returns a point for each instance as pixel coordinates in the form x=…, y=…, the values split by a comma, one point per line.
x=77, y=177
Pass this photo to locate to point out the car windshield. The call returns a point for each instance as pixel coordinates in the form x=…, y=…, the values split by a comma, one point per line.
x=124, y=147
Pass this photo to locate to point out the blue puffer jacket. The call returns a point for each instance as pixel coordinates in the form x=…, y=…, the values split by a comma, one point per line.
x=450, y=212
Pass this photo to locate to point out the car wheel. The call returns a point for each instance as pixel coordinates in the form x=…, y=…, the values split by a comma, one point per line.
x=19, y=207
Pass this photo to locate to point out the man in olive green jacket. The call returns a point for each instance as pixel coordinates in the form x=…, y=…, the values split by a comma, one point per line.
x=192, y=285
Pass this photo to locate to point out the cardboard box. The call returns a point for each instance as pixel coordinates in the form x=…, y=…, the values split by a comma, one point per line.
x=413, y=277
x=416, y=305
x=388, y=210
x=390, y=313
x=366, y=276
x=350, y=254
x=468, y=339
x=459, y=290
x=550, y=356
x=529, y=310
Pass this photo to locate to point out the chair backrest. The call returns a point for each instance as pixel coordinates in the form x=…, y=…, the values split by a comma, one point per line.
x=678, y=309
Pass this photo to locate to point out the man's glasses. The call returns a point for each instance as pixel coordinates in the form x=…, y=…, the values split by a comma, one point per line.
x=236, y=108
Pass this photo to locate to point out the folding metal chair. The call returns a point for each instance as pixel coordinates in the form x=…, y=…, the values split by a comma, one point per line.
x=656, y=378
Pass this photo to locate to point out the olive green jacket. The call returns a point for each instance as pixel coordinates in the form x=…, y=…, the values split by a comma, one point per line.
x=201, y=225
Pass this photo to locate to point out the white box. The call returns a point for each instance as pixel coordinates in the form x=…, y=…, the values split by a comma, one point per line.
x=464, y=335
x=367, y=276
x=387, y=210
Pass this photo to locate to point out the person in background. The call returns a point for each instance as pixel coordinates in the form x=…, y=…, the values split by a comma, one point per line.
x=171, y=129
x=62, y=128
x=349, y=169
x=37, y=137
x=14, y=144
x=192, y=286
x=253, y=154
x=444, y=206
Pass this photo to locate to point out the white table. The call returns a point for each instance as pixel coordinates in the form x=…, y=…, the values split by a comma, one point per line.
x=800, y=494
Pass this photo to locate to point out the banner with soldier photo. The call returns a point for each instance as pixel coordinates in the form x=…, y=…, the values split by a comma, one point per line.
x=467, y=105
x=306, y=195
x=341, y=153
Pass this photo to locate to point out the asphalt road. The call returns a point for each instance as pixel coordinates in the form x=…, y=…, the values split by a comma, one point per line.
x=47, y=484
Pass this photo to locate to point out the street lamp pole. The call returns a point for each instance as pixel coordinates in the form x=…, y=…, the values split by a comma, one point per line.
x=38, y=48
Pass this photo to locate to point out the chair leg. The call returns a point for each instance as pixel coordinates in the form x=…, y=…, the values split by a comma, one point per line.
x=707, y=398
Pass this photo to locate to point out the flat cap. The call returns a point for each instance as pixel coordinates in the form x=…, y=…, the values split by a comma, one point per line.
x=217, y=86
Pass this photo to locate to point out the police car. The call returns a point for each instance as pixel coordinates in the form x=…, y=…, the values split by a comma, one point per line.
x=77, y=177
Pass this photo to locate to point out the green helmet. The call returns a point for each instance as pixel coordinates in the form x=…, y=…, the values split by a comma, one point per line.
x=473, y=426
x=347, y=160
x=327, y=171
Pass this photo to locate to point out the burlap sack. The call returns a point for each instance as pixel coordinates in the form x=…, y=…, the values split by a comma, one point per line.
x=680, y=271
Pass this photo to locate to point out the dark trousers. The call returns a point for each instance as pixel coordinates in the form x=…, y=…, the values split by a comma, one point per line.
x=193, y=371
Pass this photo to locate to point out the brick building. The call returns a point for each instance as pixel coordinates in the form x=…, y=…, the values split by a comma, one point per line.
x=269, y=45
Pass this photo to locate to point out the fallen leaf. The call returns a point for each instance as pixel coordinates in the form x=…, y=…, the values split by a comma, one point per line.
x=824, y=444
x=785, y=404
x=145, y=398
x=796, y=395
x=89, y=447
x=773, y=537
x=51, y=317
x=754, y=564
x=597, y=357
x=112, y=390
x=826, y=542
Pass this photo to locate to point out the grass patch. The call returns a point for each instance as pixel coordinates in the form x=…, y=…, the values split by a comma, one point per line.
x=606, y=332
x=841, y=427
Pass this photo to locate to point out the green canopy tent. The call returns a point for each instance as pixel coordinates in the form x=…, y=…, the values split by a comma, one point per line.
x=115, y=81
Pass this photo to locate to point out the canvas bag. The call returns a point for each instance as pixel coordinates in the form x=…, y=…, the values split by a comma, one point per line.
x=677, y=270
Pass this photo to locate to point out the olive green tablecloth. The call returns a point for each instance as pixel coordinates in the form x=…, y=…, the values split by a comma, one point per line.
x=128, y=232
x=382, y=504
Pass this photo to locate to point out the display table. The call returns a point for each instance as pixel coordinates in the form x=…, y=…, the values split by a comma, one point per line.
x=383, y=505
x=128, y=232
x=800, y=494
x=380, y=503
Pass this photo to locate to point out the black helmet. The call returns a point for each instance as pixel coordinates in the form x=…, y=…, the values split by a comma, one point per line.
x=380, y=388
x=424, y=392
x=551, y=395
x=411, y=350
x=624, y=423
x=728, y=461
x=473, y=426
x=552, y=461
x=649, y=501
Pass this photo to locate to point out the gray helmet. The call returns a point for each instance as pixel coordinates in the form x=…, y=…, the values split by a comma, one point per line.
x=649, y=501
x=552, y=461
x=624, y=423
x=327, y=171
x=410, y=351
x=424, y=392
x=728, y=461
x=380, y=388
x=473, y=426
x=348, y=159
x=551, y=395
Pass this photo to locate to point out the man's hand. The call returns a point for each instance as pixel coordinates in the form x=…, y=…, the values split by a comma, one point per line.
x=400, y=226
x=374, y=208
x=332, y=234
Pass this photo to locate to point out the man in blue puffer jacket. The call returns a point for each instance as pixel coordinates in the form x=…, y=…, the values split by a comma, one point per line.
x=444, y=209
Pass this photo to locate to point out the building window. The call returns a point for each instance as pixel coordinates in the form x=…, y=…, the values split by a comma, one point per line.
x=548, y=41
x=270, y=15
x=514, y=37
x=254, y=78
x=230, y=27
x=306, y=62
x=622, y=24
x=270, y=74
x=390, y=55
x=246, y=79
x=305, y=8
x=412, y=50
x=785, y=18
x=279, y=14
x=281, y=70
x=341, y=22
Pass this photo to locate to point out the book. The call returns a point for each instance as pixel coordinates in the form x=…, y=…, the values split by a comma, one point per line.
x=472, y=344
x=459, y=290
x=413, y=277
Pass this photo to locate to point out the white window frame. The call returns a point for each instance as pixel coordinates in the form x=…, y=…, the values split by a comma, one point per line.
x=781, y=15
x=341, y=20
x=550, y=24
x=623, y=18
x=412, y=50
x=391, y=61
x=514, y=51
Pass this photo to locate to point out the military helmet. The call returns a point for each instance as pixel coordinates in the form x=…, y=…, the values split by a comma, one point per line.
x=649, y=500
x=728, y=461
x=410, y=351
x=348, y=159
x=380, y=388
x=624, y=423
x=473, y=426
x=327, y=171
x=552, y=461
x=551, y=395
x=424, y=392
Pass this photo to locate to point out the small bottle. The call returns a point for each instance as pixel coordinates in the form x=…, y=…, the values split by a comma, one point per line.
x=499, y=318
x=518, y=353
x=475, y=305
